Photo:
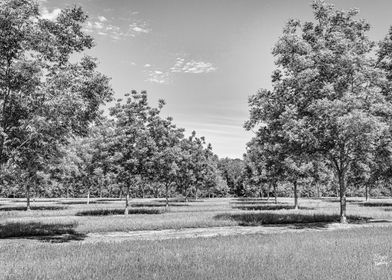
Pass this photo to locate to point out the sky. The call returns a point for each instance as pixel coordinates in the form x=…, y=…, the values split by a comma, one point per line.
x=203, y=57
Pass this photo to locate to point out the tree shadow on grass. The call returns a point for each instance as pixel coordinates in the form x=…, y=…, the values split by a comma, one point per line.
x=81, y=202
x=337, y=200
x=35, y=208
x=298, y=220
x=256, y=202
x=158, y=204
x=110, y=199
x=250, y=199
x=42, y=200
x=178, y=200
x=271, y=207
x=109, y=212
x=376, y=204
x=54, y=233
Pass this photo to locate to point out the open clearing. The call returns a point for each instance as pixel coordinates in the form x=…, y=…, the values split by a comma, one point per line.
x=241, y=239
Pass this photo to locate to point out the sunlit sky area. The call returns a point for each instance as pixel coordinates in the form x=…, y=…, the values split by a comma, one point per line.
x=204, y=57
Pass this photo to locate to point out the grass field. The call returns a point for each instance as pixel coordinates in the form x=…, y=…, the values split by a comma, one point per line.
x=354, y=254
x=360, y=253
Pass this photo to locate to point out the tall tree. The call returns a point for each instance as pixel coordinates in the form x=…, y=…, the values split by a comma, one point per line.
x=44, y=98
x=327, y=97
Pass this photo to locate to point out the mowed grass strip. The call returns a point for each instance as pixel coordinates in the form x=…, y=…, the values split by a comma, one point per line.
x=348, y=254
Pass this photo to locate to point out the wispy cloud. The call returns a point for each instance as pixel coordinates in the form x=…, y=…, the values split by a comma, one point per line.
x=155, y=75
x=102, y=19
x=183, y=65
x=103, y=26
x=49, y=15
x=139, y=28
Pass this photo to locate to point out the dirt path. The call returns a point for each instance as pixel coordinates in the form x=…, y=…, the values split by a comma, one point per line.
x=222, y=231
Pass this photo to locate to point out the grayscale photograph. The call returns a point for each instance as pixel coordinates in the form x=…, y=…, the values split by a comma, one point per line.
x=195, y=139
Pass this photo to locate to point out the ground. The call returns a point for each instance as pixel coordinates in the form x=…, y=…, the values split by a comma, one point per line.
x=206, y=239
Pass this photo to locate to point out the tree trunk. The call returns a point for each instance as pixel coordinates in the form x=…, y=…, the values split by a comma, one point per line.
x=167, y=195
x=268, y=192
x=318, y=190
x=28, y=196
x=295, y=195
x=275, y=193
x=142, y=186
x=195, y=193
x=366, y=192
x=100, y=188
x=342, y=191
x=337, y=190
x=88, y=196
x=73, y=190
x=67, y=183
x=126, y=211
